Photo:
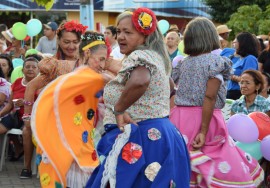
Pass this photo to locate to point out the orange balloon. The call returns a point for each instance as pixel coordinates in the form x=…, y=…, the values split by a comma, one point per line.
x=262, y=121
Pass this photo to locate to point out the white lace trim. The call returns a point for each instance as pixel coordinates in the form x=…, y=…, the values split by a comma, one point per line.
x=77, y=177
x=109, y=173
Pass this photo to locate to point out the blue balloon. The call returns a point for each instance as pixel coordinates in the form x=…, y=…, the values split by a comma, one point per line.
x=17, y=62
x=163, y=26
x=34, y=27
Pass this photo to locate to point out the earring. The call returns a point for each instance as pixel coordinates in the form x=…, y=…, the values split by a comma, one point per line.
x=257, y=91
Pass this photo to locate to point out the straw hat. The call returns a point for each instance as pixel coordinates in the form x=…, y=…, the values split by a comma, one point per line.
x=8, y=35
x=223, y=29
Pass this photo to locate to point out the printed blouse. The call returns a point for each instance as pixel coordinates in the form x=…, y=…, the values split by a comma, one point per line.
x=260, y=104
x=192, y=74
x=154, y=103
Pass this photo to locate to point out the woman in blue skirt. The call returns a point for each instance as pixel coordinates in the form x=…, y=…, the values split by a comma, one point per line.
x=141, y=147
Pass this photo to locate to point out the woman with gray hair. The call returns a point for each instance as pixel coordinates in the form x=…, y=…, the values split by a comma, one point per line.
x=202, y=79
x=141, y=147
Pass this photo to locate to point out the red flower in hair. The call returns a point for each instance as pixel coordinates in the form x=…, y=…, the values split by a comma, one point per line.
x=145, y=20
x=75, y=26
x=109, y=48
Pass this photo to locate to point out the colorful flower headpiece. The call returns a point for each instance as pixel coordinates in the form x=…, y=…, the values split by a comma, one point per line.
x=72, y=26
x=144, y=20
x=96, y=40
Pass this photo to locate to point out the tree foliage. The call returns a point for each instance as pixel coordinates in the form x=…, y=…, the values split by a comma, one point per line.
x=221, y=10
x=251, y=19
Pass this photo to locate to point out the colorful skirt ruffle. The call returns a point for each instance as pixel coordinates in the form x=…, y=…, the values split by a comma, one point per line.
x=62, y=123
x=152, y=154
x=219, y=163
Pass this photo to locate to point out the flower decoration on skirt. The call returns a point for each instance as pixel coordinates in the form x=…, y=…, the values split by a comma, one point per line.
x=144, y=20
x=131, y=152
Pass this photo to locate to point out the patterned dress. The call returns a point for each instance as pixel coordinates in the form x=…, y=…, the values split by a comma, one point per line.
x=219, y=163
x=152, y=154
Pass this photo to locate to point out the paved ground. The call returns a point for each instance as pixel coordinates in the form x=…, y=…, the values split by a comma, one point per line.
x=9, y=177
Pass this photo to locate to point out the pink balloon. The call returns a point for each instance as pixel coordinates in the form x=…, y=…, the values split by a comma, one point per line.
x=176, y=59
x=242, y=128
x=265, y=147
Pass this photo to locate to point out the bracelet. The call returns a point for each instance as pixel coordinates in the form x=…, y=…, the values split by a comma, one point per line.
x=28, y=103
x=117, y=113
x=26, y=117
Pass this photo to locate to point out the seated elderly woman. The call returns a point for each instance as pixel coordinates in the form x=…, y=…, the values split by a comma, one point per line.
x=251, y=85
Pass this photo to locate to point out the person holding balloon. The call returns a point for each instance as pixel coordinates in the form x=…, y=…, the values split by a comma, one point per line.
x=201, y=95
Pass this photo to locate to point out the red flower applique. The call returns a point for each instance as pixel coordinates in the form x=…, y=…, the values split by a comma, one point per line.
x=131, y=152
x=94, y=155
x=145, y=20
x=79, y=99
x=75, y=26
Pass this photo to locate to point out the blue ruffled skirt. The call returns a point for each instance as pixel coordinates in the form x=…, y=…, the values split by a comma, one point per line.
x=153, y=154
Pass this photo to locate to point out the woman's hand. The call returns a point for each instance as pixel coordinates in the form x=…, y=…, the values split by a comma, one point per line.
x=19, y=102
x=198, y=141
x=124, y=119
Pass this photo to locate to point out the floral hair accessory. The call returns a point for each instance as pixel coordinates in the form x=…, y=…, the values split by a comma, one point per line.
x=144, y=20
x=73, y=26
x=96, y=39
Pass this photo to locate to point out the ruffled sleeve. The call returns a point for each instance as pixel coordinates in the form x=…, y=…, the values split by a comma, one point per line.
x=48, y=69
x=135, y=59
x=5, y=87
x=220, y=67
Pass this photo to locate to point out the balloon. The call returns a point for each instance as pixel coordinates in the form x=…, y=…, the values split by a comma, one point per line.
x=181, y=48
x=16, y=73
x=17, y=62
x=34, y=27
x=31, y=52
x=263, y=123
x=265, y=145
x=176, y=59
x=254, y=149
x=242, y=128
x=163, y=26
x=19, y=30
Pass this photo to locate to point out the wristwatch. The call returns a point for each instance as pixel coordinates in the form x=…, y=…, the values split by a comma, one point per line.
x=117, y=113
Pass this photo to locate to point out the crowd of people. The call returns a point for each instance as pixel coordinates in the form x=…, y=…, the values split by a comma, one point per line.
x=111, y=110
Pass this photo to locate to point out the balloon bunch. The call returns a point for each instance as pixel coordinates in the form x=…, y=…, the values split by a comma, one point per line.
x=22, y=31
x=252, y=133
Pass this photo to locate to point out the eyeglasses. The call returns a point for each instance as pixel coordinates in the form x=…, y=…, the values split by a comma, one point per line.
x=246, y=83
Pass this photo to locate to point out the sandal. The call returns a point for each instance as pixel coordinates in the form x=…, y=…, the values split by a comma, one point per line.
x=25, y=174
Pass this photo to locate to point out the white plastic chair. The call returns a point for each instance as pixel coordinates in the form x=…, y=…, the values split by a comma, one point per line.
x=226, y=110
x=5, y=144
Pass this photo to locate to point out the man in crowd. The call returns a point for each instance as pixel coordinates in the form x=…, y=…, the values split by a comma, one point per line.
x=224, y=32
x=172, y=40
x=47, y=43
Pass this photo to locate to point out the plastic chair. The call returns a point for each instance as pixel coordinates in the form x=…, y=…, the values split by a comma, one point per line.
x=5, y=144
x=226, y=110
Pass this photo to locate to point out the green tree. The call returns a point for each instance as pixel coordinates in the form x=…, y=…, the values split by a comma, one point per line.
x=221, y=10
x=251, y=19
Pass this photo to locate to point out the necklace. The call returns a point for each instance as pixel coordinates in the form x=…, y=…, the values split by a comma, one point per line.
x=23, y=81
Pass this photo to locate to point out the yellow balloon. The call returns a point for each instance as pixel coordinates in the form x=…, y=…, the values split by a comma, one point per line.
x=181, y=48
